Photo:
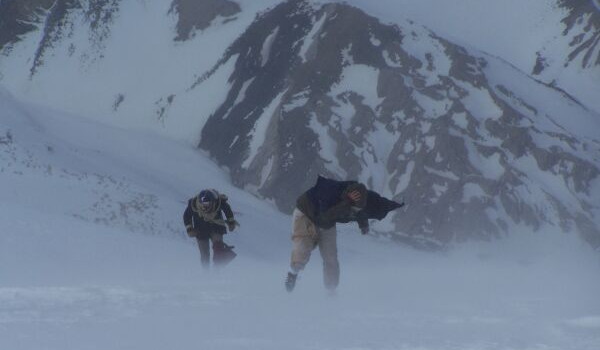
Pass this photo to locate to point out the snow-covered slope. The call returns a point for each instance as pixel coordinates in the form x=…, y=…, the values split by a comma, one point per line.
x=554, y=40
x=92, y=256
x=310, y=87
x=475, y=147
x=125, y=180
x=121, y=62
x=570, y=60
x=92, y=251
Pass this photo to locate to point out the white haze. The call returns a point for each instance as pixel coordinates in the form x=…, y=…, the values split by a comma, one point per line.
x=93, y=256
x=93, y=253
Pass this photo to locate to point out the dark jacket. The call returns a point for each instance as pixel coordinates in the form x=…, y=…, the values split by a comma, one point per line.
x=193, y=219
x=327, y=203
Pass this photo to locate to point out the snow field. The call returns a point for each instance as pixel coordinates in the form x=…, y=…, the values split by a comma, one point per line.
x=81, y=269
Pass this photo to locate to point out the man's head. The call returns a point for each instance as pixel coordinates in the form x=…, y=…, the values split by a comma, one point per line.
x=206, y=200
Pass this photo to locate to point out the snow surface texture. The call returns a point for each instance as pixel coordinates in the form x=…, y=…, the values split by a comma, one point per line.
x=88, y=260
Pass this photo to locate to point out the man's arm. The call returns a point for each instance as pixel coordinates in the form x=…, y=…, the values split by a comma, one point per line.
x=328, y=218
x=227, y=210
x=230, y=220
x=363, y=224
x=188, y=220
x=351, y=196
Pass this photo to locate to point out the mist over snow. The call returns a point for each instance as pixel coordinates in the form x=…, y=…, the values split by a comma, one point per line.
x=113, y=113
x=92, y=256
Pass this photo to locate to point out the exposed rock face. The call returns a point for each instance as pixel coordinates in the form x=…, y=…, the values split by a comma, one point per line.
x=330, y=90
x=57, y=20
x=476, y=148
x=20, y=17
x=198, y=15
x=587, y=42
x=582, y=27
x=570, y=60
x=61, y=23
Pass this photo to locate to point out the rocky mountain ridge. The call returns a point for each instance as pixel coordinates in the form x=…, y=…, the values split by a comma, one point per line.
x=476, y=148
x=433, y=129
x=571, y=59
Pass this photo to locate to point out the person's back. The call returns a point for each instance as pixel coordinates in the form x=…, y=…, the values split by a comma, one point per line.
x=328, y=202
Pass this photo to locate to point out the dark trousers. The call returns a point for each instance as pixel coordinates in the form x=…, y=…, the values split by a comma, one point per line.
x=204, y=246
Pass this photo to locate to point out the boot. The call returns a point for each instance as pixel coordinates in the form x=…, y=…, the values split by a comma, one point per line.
x=290, y=281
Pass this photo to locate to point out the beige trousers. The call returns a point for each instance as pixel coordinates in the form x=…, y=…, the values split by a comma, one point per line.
x=306, y=237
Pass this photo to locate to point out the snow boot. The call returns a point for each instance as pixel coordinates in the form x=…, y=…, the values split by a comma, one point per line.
x=290, y=281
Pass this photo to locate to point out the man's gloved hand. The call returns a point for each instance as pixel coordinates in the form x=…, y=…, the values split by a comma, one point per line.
x=191, y=232
x=354, y=196
x=364, y=230
x=232, y=224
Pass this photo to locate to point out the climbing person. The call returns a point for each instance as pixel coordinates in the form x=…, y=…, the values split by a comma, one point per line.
x=317, y=212
x=203, y=219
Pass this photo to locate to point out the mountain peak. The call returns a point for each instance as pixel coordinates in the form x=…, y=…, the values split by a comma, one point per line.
x=198, y=15
x=330, y=90
x=476, y=148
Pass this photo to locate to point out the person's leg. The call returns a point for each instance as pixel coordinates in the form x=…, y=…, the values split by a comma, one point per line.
x=304, y=238
x=217, y=240
x=328, y=250
x=203, y=246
